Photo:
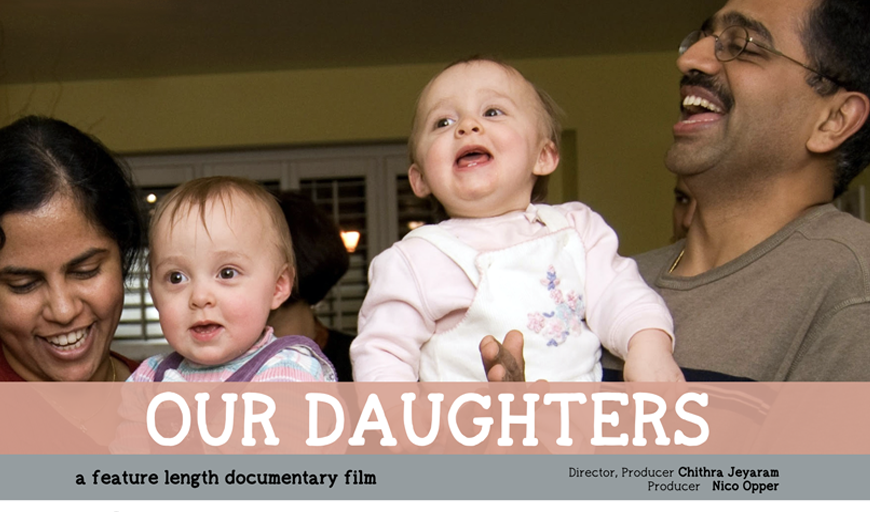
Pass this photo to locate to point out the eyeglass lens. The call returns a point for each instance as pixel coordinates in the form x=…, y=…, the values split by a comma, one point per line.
x=729, y=44
x=690, y=40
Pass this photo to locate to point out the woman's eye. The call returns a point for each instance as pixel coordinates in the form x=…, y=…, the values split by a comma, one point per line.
x=86, y=273
x=228, y=273
x=177, y=277
x=441, y=123
x=22, y=287
x=492, y=112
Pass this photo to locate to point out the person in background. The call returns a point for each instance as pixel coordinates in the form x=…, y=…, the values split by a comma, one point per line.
x=684, y=210
x=70, y=230
x=321, y=261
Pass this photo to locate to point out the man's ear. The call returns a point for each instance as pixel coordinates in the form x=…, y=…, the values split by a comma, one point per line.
x=283, y=286
x=548, y=159
x=418, y=184
x=848, y=114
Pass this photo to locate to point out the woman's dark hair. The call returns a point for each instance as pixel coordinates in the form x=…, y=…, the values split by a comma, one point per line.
x=40, y=157
x=836, y=39
x=321, y=258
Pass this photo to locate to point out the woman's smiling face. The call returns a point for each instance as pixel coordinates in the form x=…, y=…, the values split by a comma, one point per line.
x=61, y=293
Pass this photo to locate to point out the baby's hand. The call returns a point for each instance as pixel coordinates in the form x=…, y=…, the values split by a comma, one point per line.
x=503, y=362
x=650, y=358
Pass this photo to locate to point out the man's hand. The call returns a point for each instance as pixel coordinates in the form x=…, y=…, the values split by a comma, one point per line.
x=503, y=362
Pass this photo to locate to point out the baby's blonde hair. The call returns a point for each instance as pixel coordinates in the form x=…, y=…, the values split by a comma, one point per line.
x=549, y=113
x=197, y=194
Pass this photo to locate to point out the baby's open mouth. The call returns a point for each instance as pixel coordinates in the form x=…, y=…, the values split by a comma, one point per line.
x=205, y=328
x=473, y=156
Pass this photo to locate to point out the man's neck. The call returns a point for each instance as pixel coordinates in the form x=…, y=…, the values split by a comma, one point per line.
x=724, y=228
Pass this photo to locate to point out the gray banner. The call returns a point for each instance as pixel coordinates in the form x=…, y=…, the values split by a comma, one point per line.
x=428, y=477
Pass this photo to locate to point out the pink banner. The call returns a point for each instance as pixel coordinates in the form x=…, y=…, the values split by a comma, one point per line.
x=728, y=418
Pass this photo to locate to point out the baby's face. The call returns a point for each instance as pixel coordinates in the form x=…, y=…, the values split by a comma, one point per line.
x=214, y=289
x=479, y=143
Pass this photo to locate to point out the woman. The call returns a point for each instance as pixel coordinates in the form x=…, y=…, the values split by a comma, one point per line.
x=321, y=260
x=70, y=230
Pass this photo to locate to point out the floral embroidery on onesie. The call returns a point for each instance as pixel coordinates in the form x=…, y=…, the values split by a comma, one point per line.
x=565, y=319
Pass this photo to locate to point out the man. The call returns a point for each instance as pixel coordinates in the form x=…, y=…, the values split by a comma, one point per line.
x=771, y=283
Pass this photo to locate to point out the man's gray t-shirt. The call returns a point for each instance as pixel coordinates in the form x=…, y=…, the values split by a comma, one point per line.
x=794, y=307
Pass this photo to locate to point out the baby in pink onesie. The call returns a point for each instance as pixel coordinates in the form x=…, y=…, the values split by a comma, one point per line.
x=484, y=140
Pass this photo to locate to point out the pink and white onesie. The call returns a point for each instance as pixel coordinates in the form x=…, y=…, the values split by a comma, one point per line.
x=551, y=272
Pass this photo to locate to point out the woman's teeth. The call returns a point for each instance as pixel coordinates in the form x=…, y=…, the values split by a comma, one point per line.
x=68, y=341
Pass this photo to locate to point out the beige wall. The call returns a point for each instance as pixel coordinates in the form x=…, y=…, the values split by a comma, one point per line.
x=620, y=107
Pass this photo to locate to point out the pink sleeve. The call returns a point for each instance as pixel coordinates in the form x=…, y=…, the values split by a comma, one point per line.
x=394, y=322
x=619, y=301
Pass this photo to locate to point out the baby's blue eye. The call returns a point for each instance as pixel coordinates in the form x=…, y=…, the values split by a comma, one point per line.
x=228, y=273
x=441, y=123
x=492, y=112
x=176, y=277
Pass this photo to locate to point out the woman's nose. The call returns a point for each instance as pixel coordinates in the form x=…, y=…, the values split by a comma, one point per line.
x=63, y=304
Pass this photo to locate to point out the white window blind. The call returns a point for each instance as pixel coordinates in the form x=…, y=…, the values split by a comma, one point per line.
x=344, y=200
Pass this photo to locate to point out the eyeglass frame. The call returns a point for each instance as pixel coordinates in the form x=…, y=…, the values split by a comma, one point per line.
x=696, y=35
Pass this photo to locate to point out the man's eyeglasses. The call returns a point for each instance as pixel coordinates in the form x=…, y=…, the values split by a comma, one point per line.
x=732, y=41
